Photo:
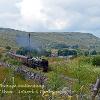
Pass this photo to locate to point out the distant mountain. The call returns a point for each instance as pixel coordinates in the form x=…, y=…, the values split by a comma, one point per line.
x=16, y=38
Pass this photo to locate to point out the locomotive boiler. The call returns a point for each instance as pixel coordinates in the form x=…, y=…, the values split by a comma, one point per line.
x=31, y=62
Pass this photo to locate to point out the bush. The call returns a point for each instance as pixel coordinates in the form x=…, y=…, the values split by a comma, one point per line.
x=8, y=48
x=85, y=60
x=96, y=61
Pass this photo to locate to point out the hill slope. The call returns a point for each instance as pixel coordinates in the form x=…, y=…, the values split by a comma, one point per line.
x=15, y=38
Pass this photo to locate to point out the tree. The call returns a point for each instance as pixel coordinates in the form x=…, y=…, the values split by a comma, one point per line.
x=66, y=52
x=0, y=55
x=93, y=52
x=8, y=47
x=96, y=61
x=86, y=53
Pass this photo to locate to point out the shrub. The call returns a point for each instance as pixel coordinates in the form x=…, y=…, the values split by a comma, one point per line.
x=96, y=60
x=85, y=60
x=8, y=48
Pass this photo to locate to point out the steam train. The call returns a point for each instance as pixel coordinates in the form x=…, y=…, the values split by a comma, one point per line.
x=31, y=62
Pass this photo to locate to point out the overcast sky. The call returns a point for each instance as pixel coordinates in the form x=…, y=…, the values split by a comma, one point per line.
x=51, y=15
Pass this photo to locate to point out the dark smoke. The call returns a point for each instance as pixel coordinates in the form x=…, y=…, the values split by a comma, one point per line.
x=23, y=41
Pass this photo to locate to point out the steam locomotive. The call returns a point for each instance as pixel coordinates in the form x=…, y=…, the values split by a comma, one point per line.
x=31, y=62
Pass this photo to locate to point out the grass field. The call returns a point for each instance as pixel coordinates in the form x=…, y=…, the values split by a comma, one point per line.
x=75, y=74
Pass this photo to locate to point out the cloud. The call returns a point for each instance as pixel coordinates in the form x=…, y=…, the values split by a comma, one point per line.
x=9, y=14
x=45, y=12
x=61, y=15
x=50, y=15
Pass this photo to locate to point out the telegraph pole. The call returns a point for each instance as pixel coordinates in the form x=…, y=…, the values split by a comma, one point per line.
x=29, y=43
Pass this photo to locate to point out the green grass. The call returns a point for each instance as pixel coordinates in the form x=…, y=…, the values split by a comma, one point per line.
x=79, y=69
x=18, y=80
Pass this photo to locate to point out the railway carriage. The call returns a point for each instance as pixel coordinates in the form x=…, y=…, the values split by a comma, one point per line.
x=31, y=62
